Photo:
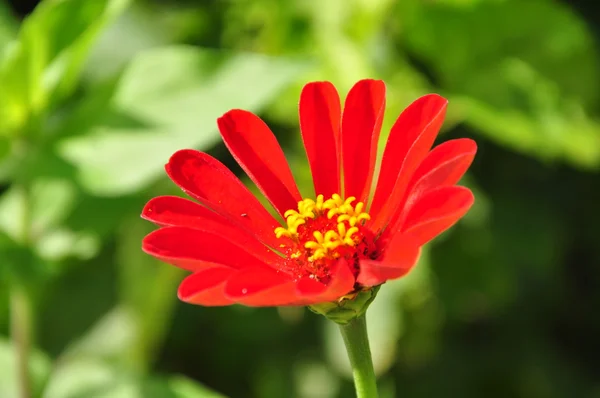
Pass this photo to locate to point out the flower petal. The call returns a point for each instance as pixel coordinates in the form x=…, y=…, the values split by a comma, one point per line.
x=195, y=249
x=361, y=125
x=261, y=287
x=173, y=210
x=206, y=287
x=435, y=211
x=401, y=254
x=443, y=166
x=410, y=139
x=320, y=116
x=342, y=282
x=207, y=180
x=256, y=150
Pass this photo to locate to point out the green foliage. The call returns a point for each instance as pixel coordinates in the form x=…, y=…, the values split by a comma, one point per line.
x=524, y=83
x=44, y=63
x=96, y=95
x=39, y=367
x=149, y=114
x=94, y=379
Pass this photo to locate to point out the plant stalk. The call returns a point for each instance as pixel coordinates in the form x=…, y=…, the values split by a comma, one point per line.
x=357, y=345
x=21, y=337
x=21, y=324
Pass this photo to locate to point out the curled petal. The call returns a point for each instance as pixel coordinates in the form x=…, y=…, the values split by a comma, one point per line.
x=206, y=287
x=194, y=249
x=401, y=254
x=256, y=150
x=207, y=180
x=320, y=116
x=361, y=125
x=435, y=211
x=410, y=139
x=444, y=166
x=341, y=283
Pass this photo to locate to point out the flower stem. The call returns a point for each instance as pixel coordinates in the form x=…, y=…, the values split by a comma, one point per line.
x=357, y=346
x=20, y=331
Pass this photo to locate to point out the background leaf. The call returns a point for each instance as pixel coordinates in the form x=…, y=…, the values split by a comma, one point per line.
x=39, y=367
x=176, y=94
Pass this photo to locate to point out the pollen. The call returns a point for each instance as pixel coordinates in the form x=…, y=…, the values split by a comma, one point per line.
x=321, y=231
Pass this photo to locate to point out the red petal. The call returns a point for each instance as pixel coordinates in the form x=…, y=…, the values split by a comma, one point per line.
x=206, y=287
x=399, y=257
x=194, y=249
x=410, y=139
x=342, y=283
x=207, y=180
x=261, y=287
x=173, y=210
x=361, y=125
x=255, y=148
x=443, y=166
x=436, y=211
x=320, y=116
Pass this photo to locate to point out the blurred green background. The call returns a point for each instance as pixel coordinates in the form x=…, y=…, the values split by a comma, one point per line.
x=96, y=95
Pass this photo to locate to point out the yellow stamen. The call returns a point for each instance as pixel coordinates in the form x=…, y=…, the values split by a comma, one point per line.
x=325, y=242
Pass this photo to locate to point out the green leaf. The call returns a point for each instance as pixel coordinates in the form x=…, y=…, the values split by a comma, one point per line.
x=8, y=27
x=39, y=368
x=108, y=338
x=44, y=63
x=562, y=130
x=86, y=21
x=91, y=378
x=525, y=84
x=137, y=29
x=184, y=387
x=174, y=95
x=52, y=200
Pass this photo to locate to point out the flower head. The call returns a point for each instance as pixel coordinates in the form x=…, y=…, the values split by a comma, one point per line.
x=332, y=248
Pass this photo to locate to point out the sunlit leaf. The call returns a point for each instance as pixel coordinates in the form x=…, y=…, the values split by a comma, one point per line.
x=39, y=368
x=184, y=387
x=44, y=62
x=175, y=94
x=49, y=201
x=91, y=378
x=108, y=338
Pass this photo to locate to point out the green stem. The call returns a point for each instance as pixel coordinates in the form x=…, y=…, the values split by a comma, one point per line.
x=357, y=346
x=20, y=309
x=20, y=332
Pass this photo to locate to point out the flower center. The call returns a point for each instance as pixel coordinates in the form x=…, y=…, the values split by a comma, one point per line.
x=323, y=231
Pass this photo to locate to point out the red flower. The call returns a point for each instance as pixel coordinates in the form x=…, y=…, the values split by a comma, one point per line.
x=333, y=245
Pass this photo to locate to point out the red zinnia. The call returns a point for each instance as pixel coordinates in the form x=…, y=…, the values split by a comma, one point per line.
x=333, y=245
